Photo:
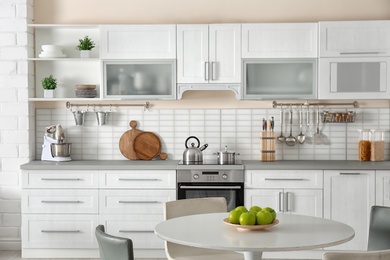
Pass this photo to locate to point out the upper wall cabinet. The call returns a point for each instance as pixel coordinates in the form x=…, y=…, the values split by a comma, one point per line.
x=138, y=41
x=209, y=53
x=359, y=38
x=279, y=40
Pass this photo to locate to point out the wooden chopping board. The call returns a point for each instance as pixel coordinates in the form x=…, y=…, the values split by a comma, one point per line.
x=147, y=146
x=126, y=142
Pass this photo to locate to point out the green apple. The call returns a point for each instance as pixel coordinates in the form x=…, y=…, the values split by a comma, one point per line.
x=247, y=218
x=255, y=208
x=272, y=211
x=264, y=217
x=234, y=216
x=242, y=208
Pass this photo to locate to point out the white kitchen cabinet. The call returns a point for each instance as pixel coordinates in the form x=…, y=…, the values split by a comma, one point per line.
x=383, y=188
x=156, y=41
x=70, y=69
x=279, y=40
x=290, y=192
x=348, y=197
x=354, y=38
x=131, y=204
x=208, y=57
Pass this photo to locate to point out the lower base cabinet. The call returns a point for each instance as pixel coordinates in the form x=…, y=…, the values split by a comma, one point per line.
x=348, y=198
x=60, y=211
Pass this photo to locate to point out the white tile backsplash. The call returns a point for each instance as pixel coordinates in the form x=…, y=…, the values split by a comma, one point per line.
x=239, y=129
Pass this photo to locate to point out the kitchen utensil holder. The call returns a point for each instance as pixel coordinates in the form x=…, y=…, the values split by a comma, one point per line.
x=102, y=117
x=267, y=146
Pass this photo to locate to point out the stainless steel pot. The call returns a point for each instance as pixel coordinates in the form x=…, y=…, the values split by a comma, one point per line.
x=60, y=150
x=226, y=157
x=193, y=154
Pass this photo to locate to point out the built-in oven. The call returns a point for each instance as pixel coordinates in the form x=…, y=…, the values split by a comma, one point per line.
x=207, y=180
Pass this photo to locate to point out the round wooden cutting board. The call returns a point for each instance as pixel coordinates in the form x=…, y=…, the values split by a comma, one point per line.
x=126, y=142
x=147, y=146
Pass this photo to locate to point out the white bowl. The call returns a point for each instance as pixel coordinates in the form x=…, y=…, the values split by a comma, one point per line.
x=51, y=48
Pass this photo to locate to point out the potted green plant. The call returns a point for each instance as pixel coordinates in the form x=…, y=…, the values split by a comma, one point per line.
x=85, y=46
x=49, y=84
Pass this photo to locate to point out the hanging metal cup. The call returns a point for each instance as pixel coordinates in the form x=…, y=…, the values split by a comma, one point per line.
x=102, y=117
x=79, y=117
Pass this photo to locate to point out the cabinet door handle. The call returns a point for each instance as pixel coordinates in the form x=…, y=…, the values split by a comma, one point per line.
x=136, y=202
x=60, y=231
x=288, y=194
x=349, y=173
x=61, y=201
x=135, y=231
x=284, y=179
x=363, y=52
x=280, y=198
x=213, y=71
x=206, y=71
x=129, y=179
x=61, y=179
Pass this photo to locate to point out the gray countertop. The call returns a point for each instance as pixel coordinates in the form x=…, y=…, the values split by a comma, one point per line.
x=173, y=165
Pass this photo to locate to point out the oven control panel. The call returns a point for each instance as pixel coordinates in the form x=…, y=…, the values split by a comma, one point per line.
x=210, y=176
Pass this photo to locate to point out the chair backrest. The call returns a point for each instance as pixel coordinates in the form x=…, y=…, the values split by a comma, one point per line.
x=362, y=255
x=112, y=247
x=379, y=231
x=185, y=207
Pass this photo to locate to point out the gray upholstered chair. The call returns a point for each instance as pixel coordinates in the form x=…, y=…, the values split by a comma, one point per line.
x=379, y=231
x=179, y=208
x=352, y=255
x=113, y=248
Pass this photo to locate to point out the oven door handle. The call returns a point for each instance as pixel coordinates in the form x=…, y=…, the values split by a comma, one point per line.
x=210, y=187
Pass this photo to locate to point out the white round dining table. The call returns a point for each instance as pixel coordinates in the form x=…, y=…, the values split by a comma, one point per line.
x=293, y=232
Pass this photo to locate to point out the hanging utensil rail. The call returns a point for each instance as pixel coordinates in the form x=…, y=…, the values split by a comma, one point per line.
x=146, y=105
x=306, y=103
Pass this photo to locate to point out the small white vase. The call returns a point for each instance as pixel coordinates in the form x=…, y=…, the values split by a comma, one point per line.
x=85, y=54
x=48, y=93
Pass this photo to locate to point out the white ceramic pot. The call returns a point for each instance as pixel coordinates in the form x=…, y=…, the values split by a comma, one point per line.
x=85, y=54
x=48, y=93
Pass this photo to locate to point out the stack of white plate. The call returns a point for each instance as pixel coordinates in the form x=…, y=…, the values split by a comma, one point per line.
x=51, y=51
x=85, y=91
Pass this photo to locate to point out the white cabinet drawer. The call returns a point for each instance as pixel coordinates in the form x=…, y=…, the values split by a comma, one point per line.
x=284, y=179
x=59, y=201
x=60, y=179
x=139, y=228
x=134, y=201
x=59, y=231
x=138, y=41
x=138, y=179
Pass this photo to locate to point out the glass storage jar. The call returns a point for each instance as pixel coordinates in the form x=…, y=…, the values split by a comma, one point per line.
x=377, y=145
x=364, y=144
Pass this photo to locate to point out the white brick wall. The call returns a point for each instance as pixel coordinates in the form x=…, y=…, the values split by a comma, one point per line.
x=15, y=138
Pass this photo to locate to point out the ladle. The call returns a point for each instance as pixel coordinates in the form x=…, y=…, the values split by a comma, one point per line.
x=301, y=137
x=290, y=140
x=281, y=138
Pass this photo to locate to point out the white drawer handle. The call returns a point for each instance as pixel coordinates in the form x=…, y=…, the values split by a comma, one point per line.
x=61, y=179
x=128, y=179
x=133, y=231
x=349, y=173
x=61, y=201
x=284, y=179
x=60, y=231
x=363, y=52
x=133, y=201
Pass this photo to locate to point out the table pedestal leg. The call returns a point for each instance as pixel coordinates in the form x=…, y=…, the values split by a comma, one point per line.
x=253, y=255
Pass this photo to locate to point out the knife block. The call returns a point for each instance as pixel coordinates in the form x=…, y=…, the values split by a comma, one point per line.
x=267, y=146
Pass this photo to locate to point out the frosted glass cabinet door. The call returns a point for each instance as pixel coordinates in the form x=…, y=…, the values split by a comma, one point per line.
x=139, y=79
x=276, y=78
x=354, y=78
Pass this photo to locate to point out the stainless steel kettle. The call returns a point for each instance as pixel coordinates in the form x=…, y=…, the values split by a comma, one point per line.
x=193, y=154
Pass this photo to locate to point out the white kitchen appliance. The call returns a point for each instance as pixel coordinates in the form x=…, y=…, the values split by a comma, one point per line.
x=54, y=147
